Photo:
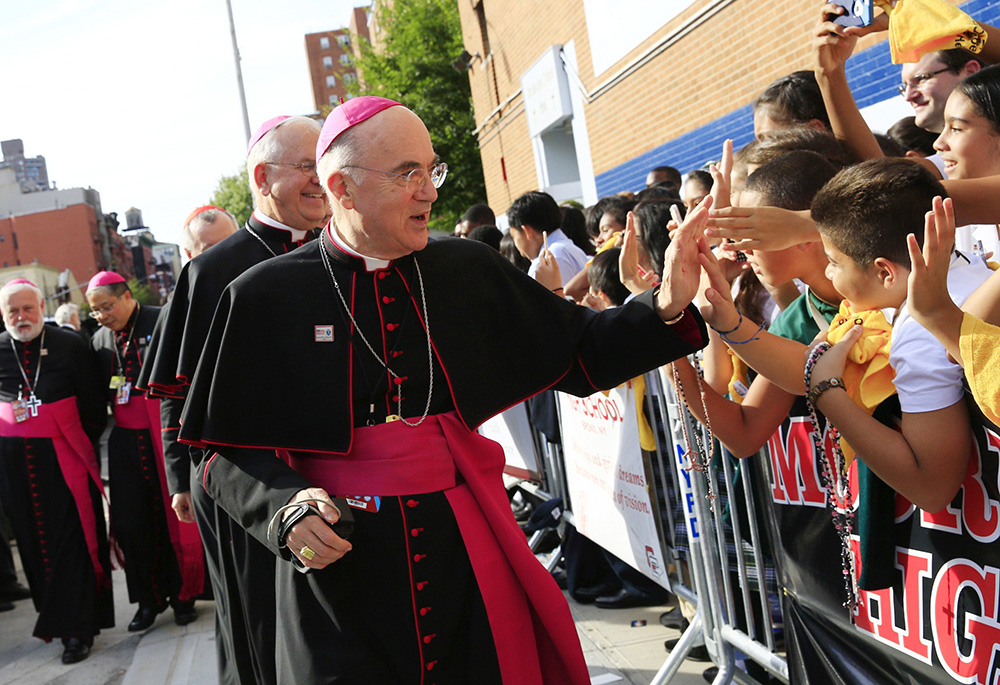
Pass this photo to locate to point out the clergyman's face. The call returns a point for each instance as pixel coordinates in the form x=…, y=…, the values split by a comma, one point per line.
x=394, y=214
x=113, y=311
x=292, y=197
x=22, y=315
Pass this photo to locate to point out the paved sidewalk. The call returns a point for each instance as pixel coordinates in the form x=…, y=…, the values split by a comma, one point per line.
x=168, y=654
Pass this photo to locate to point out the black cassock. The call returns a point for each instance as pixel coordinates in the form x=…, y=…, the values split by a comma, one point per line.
x=56, y=507
x=142, y=521
x=303, y=381
x=241, y=570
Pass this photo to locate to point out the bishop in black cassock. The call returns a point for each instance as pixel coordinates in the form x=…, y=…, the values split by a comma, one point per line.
x=289, y=206
x=51, y=413
x=164, y=561
x=380, y=356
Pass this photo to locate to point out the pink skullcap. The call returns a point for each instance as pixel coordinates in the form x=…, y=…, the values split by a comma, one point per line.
x=200, y=210
x=349, y=114
x=263, y=129
x=104, y=278
x=19, y=281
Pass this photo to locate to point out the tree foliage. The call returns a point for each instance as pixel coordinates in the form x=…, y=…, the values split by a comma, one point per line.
x=414, y=66
x=233, y=194
x=142, y=293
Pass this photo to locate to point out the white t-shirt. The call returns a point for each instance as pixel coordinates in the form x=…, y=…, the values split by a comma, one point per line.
x=572, y=260
x=936, y=160
x=925, y=379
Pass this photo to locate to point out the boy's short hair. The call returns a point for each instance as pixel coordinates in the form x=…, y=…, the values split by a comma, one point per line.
x=535, y=209
x=792, y=180
x=604, y=276
x=868, y=209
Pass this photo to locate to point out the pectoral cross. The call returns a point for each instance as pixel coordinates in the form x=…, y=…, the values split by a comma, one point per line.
x=32, y=404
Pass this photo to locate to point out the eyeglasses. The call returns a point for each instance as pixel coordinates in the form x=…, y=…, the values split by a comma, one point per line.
x=920, y=79
x=104, y=310
x=415, y=179
x=307, y=168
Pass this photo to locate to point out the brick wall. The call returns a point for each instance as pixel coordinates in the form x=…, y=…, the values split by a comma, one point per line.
x=61, y=238
x=677, y=108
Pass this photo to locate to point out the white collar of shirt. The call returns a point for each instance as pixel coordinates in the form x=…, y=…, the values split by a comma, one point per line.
x=273, y=223
x=371, y=263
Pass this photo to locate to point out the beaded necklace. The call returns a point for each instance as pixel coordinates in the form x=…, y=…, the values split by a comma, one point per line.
x=837, y=483
x=698, y=457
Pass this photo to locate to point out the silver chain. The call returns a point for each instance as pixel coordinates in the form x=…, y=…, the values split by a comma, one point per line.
x=266, y=246
x=427, y=327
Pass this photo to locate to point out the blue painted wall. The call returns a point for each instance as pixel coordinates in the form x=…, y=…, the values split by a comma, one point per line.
x=872, y=76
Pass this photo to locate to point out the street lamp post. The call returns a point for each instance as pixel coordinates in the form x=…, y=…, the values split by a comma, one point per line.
x=239, y=71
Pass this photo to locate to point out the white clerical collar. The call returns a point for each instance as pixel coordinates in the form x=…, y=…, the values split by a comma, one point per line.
x=371, y=263
x=273, y=223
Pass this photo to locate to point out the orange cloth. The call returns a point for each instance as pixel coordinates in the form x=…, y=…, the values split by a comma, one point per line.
x=867, y=376
x=919, y=27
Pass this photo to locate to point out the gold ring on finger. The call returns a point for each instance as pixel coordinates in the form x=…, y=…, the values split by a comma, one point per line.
x=307, y=552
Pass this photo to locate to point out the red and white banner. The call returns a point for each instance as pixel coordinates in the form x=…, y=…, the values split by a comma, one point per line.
x=608, y=479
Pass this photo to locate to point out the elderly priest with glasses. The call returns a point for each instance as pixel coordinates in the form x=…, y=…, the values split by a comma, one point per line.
x=373, y=397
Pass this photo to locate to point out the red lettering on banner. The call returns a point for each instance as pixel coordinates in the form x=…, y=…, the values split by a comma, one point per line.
x=903, y=635
x=983, y=631
x=795, y=479
x=598, y=407
x=979, y=512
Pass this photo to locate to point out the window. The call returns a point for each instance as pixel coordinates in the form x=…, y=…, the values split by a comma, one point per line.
x=343, y=40
x=345, y=60
x=324, y=43
x=328, y=62
x=334, y=100
x=350, y=78
x=331, y=81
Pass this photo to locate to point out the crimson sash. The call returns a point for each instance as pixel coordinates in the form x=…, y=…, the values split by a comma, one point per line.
x=60, y=423
x=533, y=631
x=142, y=413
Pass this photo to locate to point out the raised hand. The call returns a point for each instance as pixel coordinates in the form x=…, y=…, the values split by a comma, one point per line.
x=629, y=272
x=682, y=268
x=722, y=177
x=927, y=284
x=760, y=228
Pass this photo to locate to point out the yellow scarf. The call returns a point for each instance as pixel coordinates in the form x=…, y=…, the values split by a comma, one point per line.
x=867, y=375
x=919, y=27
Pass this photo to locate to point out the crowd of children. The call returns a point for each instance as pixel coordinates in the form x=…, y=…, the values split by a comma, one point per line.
x=839, y=284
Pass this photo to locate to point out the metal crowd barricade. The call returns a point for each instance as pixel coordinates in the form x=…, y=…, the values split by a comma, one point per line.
x=721, y=624
x=724, y=594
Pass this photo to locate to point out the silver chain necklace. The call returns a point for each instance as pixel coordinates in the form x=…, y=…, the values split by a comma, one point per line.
x=395, y=376
x=266, y=246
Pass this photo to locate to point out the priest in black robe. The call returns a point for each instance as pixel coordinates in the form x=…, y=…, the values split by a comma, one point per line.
x=163, y=557
x=52, y=413
x=290, y=204
x=378, y=357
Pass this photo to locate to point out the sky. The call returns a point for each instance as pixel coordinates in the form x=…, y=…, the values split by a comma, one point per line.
x=139, y=100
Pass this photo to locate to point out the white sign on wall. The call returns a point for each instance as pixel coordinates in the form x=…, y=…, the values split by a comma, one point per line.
x=546, y=92
x=607, y=478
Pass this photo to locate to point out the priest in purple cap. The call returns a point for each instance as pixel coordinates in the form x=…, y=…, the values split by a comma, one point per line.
x=371, y=412
x=163, y=557
x=289, y=207
x=52, y=413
